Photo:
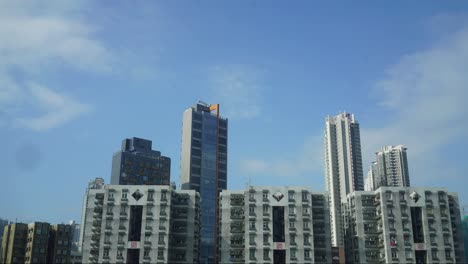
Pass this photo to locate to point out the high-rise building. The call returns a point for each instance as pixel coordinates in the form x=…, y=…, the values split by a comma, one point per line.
x=465, y=234
x=14, y=243
x=60, y=244
x=403, y=225
x=204, y=167
x=141, y=224
x=3, y=223
x=138, y=164
x=392, y=167
x=97, y=183
x=37, y=242
x=343, y=167
x=75, y=235
x=274, y=225
x=371, y=177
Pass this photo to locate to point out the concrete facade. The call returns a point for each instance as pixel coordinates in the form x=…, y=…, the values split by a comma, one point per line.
x=141, y=223
x=274, y=225
x=97, y=183
x=14, y=243
x=391, y=167
x=343, y=167
x=403, y=225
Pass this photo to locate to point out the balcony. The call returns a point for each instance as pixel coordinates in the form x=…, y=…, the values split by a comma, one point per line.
x=429, y=203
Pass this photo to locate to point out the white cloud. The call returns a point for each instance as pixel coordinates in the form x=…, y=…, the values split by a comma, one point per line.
x=58, y=108
x=426, y=93
x=238, y=89
x=35, y=38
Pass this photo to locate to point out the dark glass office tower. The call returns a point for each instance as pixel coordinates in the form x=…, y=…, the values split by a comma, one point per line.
x=204, y=168
x=138, y=164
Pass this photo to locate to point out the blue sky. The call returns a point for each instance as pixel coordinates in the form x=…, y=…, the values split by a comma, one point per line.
x=77, y=78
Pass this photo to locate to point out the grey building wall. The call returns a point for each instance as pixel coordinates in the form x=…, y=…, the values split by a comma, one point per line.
x=168, y=225
x=204, y=167
x=97, y=183
x=138, y=164
x=401, y=225
x=247, y=226
x=343, y=167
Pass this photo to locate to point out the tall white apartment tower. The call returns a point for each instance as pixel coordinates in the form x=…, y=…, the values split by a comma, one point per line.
x=392, y=167
x=343, y=167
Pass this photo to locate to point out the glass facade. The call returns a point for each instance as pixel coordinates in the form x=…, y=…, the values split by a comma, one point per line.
x=204, y=168
x=138, y=164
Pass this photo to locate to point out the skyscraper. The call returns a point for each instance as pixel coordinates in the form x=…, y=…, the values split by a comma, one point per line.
x=343, y=167
x=138, y=164
x=371, y=177
x=204, y=168
x=392, y=167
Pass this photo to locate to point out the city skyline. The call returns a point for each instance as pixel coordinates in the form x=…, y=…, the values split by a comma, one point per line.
x=64, y=110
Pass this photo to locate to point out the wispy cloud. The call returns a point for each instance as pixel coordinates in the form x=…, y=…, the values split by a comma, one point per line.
x=239, y=89
x=426, y=93
x=57, y=109
x=37, y=37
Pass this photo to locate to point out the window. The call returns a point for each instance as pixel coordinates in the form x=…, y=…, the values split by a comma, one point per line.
x=252, y=238
x=266, y=254
x=292, y=253
x=119, y=253
x=265, y=239
x=388, y=195
x=434, y=254
x=265, y=226
x=107, y=238
x=160, y=253
x=146, y=253
x=147, y=238
x=124, y=195
x=150, y=196
x=408, y=254
x=391, y=224
x=111, y=195
x=394, y=254
x=59, y=242
x=448, y=254
x=251, y=210
x=161, y=238
x=292, y=210
x=292, y=239
x=306, y=239
x=252, y=225
x=304, y=196
x=306, y=225
x=149, y=223
x=163, y=196
x=252, y=196
x=252, y=253
x=123, y=209
x=446, y=240
x=265, y=195
x=291, y=195
x=109, y=209
x=307, y=253
x=108, y=225
x=120, y=239
x=265, y=209
x=305, y=210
